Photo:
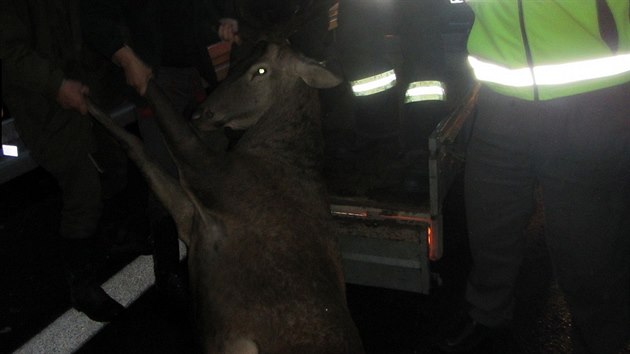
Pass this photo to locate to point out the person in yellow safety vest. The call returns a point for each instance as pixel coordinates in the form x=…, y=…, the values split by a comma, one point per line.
x=554, y=112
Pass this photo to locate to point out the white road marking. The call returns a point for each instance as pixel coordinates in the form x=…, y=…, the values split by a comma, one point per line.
x=73, y=329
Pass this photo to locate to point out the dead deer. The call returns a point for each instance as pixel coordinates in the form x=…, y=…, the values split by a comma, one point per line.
x=265, y=270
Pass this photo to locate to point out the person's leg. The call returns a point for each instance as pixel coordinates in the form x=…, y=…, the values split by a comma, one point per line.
x=81, y=258
x=363, y=51
x=499, y=197
x=499, y=192
x=62, y=147
x=585, y=177
x=423, y=70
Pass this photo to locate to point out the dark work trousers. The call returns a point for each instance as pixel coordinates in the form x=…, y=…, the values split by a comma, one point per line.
x=578, y=150
x=61, y=141
x=183, y=87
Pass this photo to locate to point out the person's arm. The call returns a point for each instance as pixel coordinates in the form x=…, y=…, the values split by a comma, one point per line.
x=102, y=22
x=217, y=20
x=137, y=73
x=228, y=30
x=25, y=68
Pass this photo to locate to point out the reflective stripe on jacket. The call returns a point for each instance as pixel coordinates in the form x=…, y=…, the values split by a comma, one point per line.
x=534, y=49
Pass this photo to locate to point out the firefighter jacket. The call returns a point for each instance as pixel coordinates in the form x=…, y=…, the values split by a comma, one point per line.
x=540, y=50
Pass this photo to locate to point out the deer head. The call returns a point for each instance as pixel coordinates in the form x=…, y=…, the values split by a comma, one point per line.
x=274, y=74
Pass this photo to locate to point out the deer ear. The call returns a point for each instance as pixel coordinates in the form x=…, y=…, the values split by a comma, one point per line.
x=316, y=75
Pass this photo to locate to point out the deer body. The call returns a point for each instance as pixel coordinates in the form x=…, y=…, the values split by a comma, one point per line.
x=265, y=270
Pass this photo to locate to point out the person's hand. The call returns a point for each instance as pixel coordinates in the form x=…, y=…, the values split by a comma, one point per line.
x=228, y=30
x=71, y=95
x=137, y=73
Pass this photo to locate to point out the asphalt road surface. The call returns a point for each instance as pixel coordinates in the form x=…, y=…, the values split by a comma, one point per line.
x=34, y=294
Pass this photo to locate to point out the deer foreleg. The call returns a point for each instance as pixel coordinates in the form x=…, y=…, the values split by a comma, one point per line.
x=181, y=139
x=166, y=188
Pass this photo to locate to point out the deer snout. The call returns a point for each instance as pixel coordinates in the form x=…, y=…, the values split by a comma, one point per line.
x=205, y=119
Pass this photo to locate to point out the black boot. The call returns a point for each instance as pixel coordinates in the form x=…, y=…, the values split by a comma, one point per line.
x=94, y=302
x=82, y=256
x=473, y=337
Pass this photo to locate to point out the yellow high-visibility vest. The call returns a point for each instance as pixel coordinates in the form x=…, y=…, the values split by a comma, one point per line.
x=534, y=49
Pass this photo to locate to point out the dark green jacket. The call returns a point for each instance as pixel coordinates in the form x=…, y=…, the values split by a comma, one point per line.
x=40, y=44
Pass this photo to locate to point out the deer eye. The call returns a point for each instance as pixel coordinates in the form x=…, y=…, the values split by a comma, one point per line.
x=261, y=71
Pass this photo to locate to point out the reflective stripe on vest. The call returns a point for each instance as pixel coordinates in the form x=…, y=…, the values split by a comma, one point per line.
x=555, y=74
x=374, y=84
x=425, y=91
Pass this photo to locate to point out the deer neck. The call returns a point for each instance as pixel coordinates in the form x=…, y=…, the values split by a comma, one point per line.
x=289, y=135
